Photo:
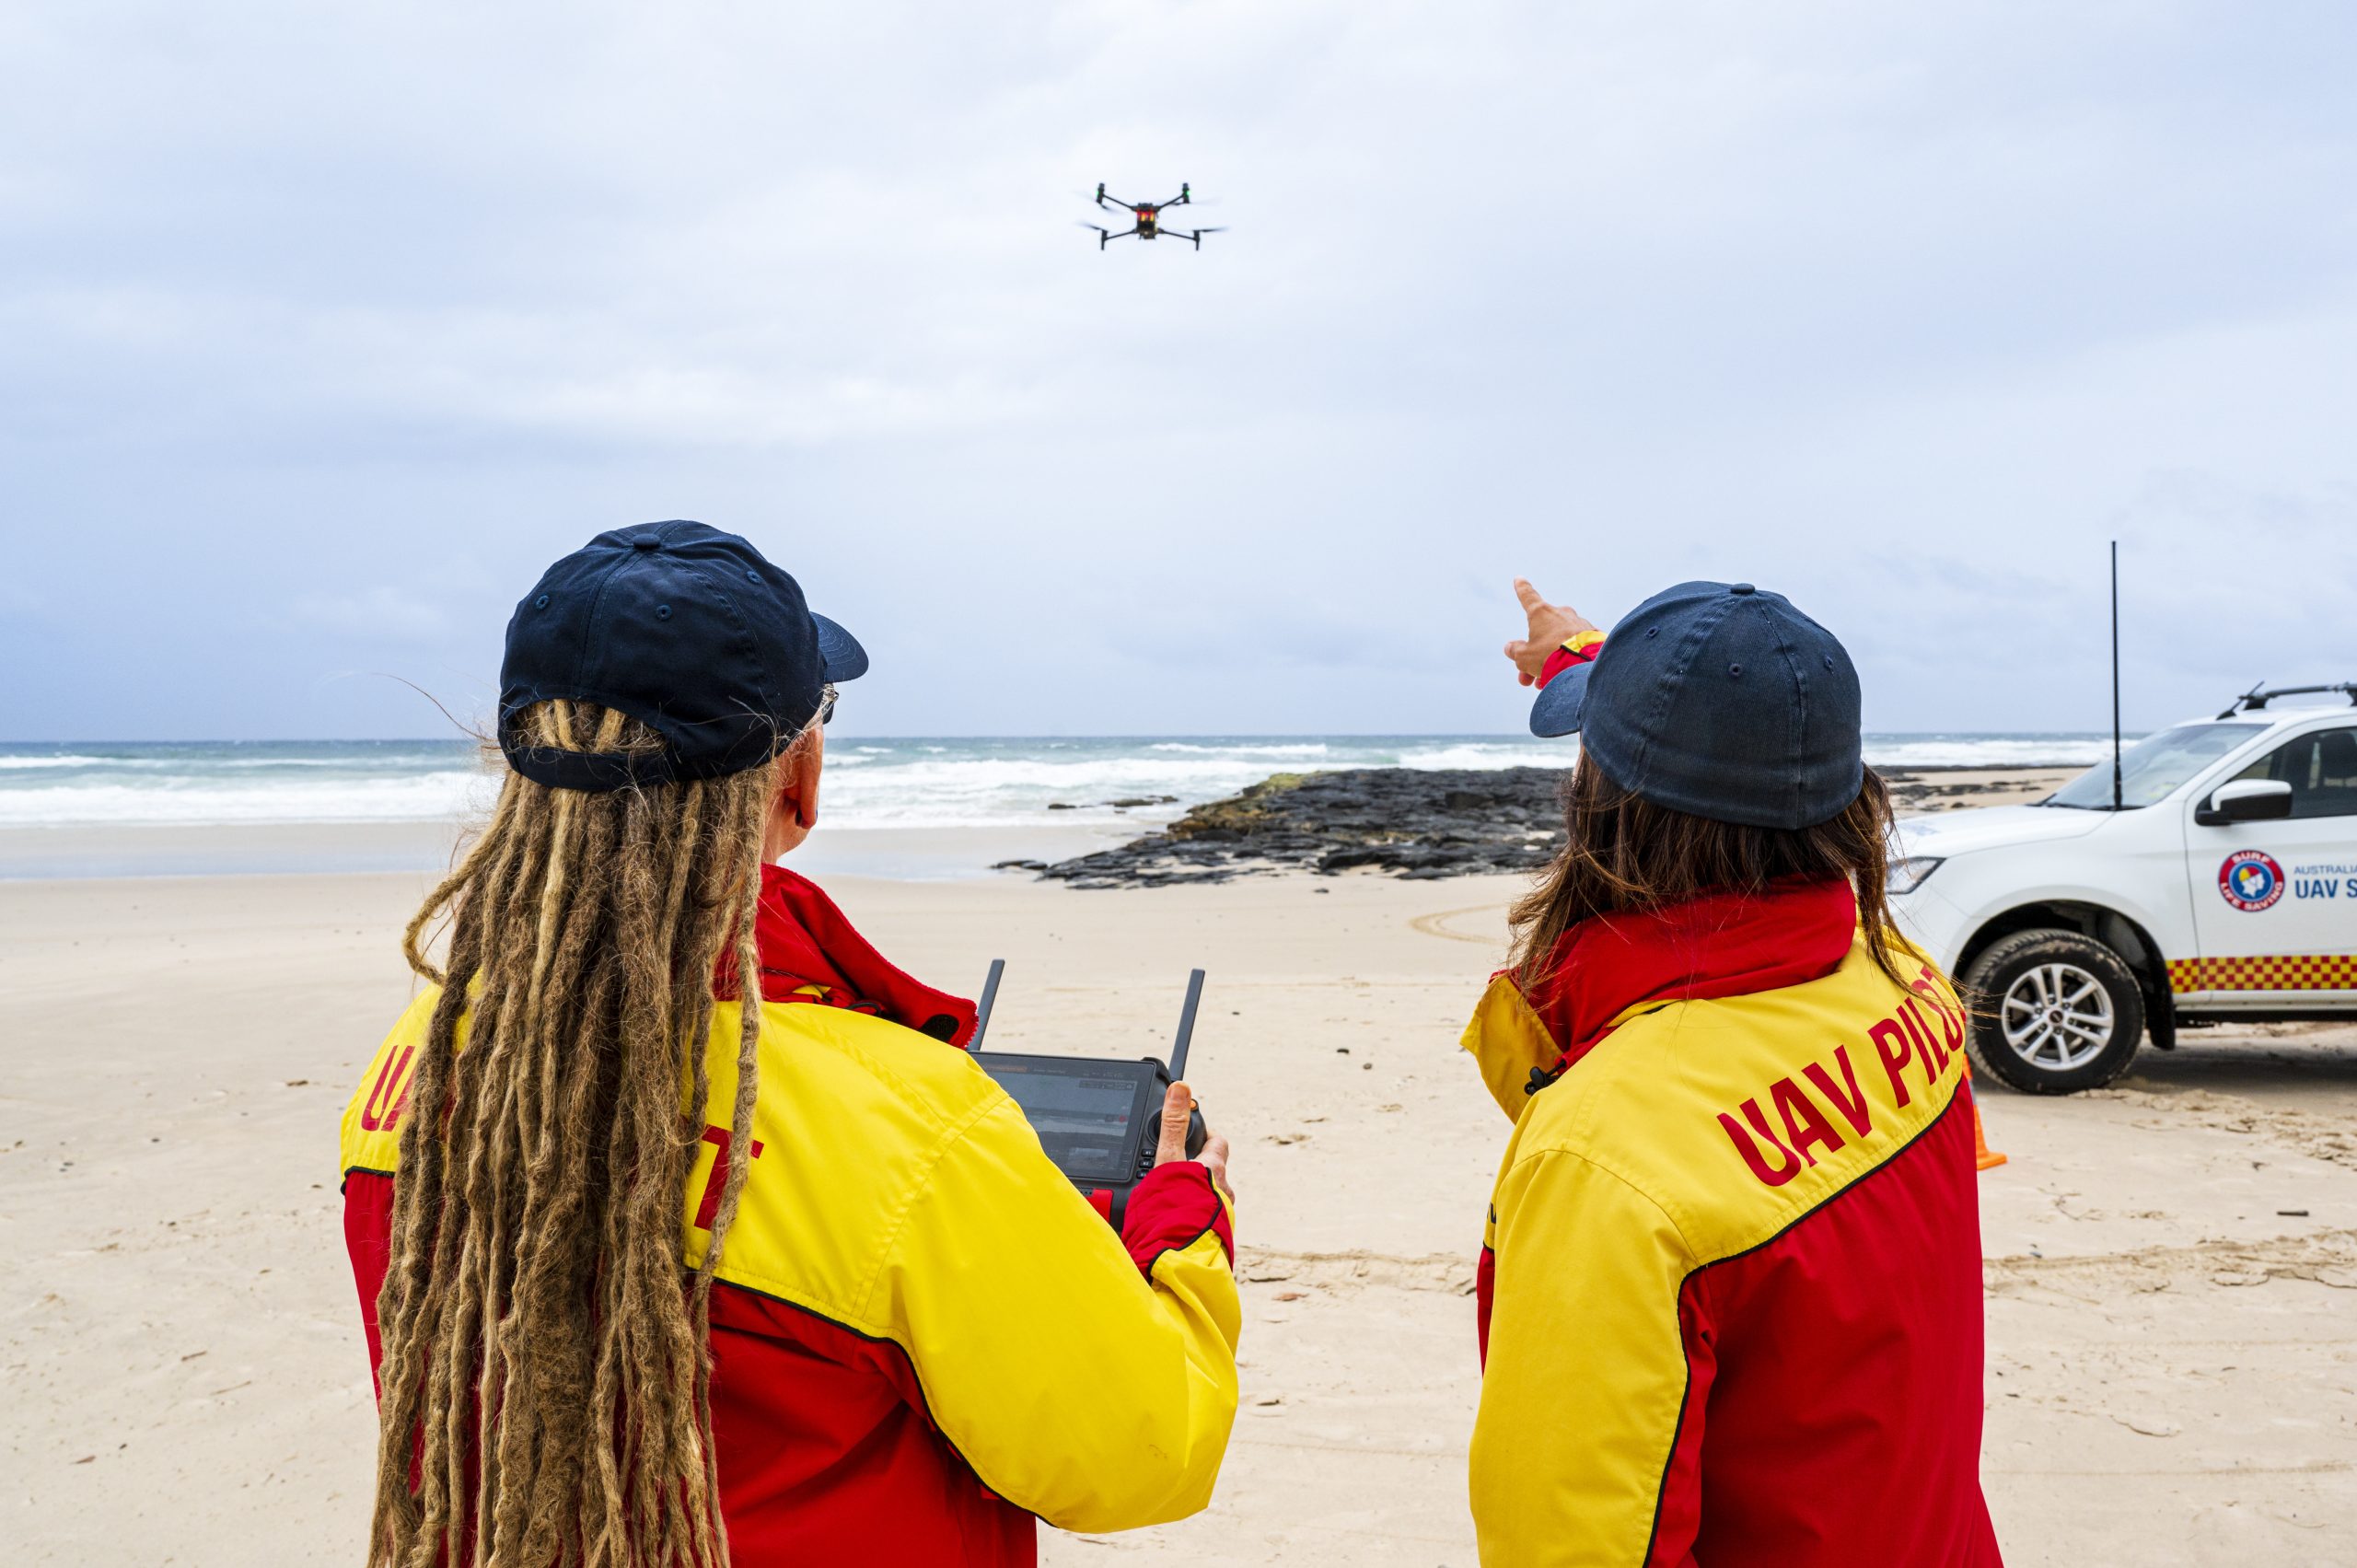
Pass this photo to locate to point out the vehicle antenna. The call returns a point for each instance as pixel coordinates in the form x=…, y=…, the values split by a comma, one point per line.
x=2118, y=793
x=983, y=1008
x=1186, y=1025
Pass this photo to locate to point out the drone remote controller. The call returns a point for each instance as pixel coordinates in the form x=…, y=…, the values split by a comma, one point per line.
x=1099, y=1120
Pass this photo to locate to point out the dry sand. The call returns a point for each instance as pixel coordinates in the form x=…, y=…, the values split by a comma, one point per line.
x=1924, y=789
x=2173, y=1358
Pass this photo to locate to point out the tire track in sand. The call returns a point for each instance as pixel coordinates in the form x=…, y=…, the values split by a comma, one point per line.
x=1437, y=924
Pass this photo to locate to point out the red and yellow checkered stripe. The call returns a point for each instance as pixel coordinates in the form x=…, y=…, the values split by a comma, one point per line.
x=2266, y=972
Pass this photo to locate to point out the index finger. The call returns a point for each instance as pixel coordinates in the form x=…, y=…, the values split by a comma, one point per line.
x=1530, y=597
x=1176, y=1105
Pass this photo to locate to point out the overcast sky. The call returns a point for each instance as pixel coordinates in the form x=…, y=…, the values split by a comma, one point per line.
x=323, y=329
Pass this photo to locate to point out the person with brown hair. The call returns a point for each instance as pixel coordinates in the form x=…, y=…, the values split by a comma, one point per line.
x=655, y=1273
x=1729, y=1296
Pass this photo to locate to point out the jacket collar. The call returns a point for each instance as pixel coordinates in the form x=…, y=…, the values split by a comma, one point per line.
x=1608, y=968
x=812, y=952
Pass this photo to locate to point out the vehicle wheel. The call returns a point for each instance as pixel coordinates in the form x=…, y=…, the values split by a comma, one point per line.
x=2053, y=1012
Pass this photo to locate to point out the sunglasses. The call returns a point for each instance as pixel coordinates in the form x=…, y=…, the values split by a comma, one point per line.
x=826, y=704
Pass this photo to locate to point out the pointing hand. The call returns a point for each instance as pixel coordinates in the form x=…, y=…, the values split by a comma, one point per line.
x=1551, y=626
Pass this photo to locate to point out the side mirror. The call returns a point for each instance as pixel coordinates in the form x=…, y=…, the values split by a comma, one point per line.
x=2247, y=800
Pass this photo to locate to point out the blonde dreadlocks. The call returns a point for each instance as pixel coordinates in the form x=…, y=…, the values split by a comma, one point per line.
x=545, y=1383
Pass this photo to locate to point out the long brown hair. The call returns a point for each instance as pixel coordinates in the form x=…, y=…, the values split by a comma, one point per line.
x=545, y=1374
x=1625, y=853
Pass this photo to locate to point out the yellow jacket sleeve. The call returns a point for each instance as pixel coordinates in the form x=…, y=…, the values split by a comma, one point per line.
x=1585, y=1373
x=1076, y=1387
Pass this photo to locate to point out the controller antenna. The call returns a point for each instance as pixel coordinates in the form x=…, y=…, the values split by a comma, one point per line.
x=1186, y=1025
x=983, y=1008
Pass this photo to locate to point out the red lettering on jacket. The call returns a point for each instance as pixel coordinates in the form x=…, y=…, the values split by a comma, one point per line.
x=1927, y=1050
x=1890, y=1044
x=719, y=1138
x=389, y=1094
x=1854, y=1108
x=1784, y=1170
x=1809, y=1126
x=1951, y=1015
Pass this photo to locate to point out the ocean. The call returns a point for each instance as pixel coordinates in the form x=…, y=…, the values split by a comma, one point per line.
x=913, y=783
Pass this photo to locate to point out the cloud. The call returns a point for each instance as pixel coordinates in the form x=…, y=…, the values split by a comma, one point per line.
x=1907, y=312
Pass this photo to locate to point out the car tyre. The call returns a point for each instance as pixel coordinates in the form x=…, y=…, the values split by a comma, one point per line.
x=2053, y=1012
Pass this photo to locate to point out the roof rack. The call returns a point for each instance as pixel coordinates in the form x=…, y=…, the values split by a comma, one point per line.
x=2259, y=696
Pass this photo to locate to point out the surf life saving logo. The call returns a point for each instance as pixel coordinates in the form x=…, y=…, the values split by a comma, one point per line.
x=2250, y=880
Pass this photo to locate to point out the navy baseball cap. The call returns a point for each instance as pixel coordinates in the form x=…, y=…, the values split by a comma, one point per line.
x=1721, y=701
x=688, y=630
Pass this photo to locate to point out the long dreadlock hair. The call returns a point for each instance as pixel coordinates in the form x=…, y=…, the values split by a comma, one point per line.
x=546, y=1395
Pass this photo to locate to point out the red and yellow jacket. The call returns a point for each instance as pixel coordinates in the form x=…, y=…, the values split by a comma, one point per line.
x=1730, y=1299
x=922, y=1336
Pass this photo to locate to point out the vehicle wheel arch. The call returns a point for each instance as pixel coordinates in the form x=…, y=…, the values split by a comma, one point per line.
x=2091, y=918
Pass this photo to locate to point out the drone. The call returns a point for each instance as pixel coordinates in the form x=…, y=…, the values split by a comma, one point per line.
x=1148, y=217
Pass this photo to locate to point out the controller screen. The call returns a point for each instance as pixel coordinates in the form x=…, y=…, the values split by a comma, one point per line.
x=1083, y=1121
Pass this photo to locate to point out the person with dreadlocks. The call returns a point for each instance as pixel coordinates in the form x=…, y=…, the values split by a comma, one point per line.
x=655, y=1274
x=1729, y=1300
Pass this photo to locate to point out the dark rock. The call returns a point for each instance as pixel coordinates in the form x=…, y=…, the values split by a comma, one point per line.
x=1124, y=804
x=1413, y=824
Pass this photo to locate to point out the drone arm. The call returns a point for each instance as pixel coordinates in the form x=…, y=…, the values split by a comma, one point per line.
x=1111, y=201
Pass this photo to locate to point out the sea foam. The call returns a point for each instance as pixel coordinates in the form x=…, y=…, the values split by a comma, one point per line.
x=870, y=782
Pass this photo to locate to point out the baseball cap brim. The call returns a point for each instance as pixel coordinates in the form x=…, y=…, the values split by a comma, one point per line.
x=1562, y=703
x=838, y=652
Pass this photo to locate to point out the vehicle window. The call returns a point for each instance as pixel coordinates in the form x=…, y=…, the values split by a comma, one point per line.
x=2154, y=766
x=2321, y=770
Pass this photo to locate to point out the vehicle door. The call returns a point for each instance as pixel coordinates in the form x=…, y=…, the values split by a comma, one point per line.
x=2275, y=901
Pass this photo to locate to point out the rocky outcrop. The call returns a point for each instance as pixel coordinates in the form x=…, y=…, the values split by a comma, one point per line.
x=1425, y=825
x=1412, y=823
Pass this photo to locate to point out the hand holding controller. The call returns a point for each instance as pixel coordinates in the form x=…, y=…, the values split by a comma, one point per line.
x=1179, y=1119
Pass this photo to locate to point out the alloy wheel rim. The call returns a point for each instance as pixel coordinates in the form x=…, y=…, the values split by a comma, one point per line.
x=2057, y=1017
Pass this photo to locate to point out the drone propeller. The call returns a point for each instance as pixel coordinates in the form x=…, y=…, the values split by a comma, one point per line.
x=1113, y=201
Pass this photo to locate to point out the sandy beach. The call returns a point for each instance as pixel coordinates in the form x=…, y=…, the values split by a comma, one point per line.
x=2172, y=1328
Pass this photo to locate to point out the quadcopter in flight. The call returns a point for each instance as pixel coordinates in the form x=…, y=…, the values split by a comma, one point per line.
x=1148, y=218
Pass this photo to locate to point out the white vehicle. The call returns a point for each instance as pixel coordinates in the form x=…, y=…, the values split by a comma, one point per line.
x=2223, y=888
